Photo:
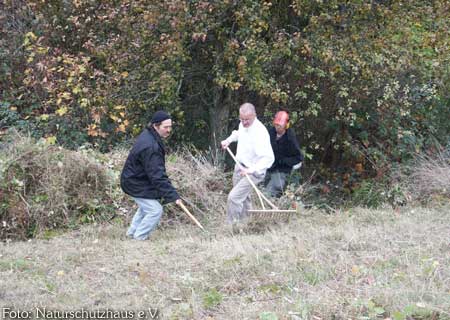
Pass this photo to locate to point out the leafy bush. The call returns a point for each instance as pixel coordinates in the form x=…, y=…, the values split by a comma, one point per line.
x=370, y=195
x=355, y=75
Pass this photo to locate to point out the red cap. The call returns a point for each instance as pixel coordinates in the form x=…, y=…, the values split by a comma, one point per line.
x=281, y=118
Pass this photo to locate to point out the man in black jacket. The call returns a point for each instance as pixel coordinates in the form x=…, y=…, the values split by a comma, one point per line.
x=145, y=179
x=287, y=154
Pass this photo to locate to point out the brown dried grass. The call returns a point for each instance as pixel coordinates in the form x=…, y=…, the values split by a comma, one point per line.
x=47, y=187
x=430, y=175
x=202, y=185
x=359, y=264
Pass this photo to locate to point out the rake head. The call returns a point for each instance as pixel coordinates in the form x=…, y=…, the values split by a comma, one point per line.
x=276, y=214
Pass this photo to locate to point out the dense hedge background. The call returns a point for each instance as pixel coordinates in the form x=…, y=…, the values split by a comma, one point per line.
x=367, y=82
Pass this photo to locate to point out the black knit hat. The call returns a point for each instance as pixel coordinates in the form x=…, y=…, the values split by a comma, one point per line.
x=160, y=116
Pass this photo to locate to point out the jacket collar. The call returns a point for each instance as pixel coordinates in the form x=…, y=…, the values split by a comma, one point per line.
x=273, y=135
x=157, y=137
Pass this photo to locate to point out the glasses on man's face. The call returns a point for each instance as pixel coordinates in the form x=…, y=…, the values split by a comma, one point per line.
x=246, y=119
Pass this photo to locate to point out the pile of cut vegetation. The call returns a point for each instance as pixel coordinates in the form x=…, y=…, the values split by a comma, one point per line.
x=45, y=187
x=202, y=185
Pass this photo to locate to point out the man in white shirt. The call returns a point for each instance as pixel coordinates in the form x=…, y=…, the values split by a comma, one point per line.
x=254, y=154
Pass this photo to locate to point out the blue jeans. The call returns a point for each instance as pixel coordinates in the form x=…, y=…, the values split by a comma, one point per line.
x=145, y=219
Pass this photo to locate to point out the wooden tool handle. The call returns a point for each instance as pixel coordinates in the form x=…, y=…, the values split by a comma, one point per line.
x=258, y=192
x=190, y=215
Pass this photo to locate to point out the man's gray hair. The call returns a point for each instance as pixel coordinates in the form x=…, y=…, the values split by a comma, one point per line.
x=247, y=108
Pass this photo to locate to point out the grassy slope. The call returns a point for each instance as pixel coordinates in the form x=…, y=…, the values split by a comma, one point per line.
x=348, y=265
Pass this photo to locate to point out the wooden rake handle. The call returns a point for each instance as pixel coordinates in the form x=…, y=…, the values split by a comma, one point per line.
x=258, y=192
x=190, y=215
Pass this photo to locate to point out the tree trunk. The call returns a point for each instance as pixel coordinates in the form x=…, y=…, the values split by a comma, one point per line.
x=219, y=115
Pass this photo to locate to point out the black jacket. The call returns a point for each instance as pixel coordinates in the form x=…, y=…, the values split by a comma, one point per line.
x=286, y=150
x=144, y=173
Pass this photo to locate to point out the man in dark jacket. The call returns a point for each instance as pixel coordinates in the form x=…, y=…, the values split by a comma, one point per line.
x=287, y=154
x=145, y=179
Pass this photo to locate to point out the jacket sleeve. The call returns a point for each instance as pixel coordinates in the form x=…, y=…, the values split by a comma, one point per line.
x=295, y=154
x=156, y=172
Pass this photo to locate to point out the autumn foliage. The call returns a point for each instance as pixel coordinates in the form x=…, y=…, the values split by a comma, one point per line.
x=367, y=83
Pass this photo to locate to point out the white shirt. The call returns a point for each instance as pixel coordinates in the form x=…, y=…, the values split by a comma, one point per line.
x=253, y=149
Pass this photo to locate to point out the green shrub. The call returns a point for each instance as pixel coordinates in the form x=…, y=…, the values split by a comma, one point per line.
x=369, y=194
x=212, y=298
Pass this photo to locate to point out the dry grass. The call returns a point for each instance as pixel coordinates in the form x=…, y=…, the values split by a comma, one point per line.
x=357, y=264
x=429, y=176
x=45, y=187
x=202, y=186
x=360, y=264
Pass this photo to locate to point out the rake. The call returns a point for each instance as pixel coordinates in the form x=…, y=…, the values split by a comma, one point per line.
x=274, y=211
